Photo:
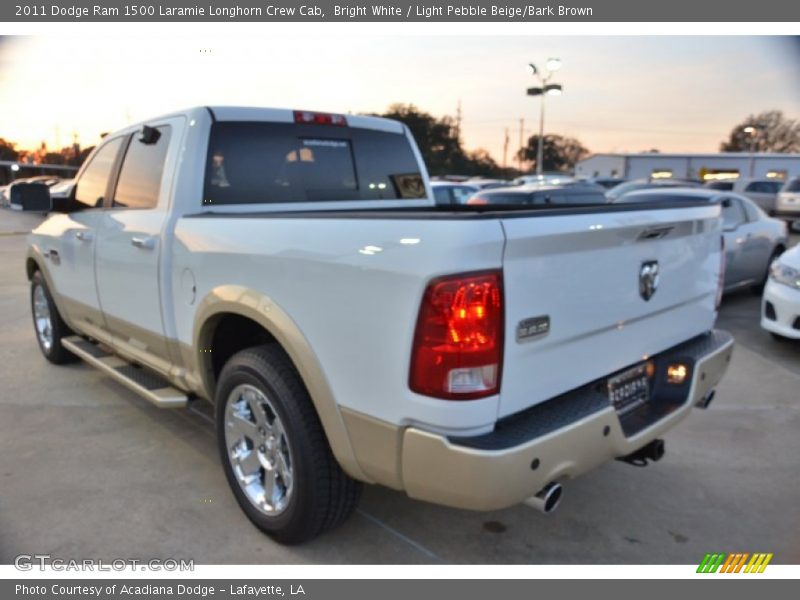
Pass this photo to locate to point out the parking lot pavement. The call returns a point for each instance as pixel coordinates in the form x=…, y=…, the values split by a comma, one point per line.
x=88, y=469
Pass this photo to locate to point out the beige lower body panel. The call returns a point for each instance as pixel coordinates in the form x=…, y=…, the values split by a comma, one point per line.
x=429, y=467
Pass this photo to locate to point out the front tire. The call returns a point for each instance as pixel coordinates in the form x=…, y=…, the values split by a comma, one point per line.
x=274, y=451
x=47, y=322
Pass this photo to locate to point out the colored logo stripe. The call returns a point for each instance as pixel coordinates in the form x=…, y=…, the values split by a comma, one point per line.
x=734, y=562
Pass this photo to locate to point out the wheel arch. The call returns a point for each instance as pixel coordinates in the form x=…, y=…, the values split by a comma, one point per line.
x=256, y=319
x=35, y=262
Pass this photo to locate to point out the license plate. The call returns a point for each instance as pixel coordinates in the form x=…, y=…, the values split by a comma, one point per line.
x=629, y=389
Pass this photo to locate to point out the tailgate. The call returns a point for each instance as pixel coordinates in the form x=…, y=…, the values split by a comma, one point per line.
x=574, y=308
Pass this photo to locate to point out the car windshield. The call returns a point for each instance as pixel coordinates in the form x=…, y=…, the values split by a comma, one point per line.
x=251, y=163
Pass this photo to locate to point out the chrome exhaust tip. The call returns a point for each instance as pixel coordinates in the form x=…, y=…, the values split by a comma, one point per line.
x=547, y=499
x=705, y=400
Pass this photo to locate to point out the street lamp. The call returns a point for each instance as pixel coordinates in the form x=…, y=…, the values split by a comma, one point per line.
x=546, y=89
x=752, y=131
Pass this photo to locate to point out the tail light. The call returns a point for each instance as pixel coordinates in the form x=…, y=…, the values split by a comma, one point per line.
x=315, y=118
x=458, y=343
x=477, y=200
x=721, y=281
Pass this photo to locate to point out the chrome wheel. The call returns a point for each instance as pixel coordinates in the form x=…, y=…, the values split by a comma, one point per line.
x=42, y=318
x=258, y=449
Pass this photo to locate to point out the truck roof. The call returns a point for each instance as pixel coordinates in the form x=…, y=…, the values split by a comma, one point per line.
x=280, y=115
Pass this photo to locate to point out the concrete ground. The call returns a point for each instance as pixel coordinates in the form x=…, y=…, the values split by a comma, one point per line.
x=88, y=469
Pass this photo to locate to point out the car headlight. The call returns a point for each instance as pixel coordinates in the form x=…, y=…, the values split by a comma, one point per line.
x=785, y=274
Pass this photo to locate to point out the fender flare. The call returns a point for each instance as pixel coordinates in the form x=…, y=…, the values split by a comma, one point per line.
x=258, y=307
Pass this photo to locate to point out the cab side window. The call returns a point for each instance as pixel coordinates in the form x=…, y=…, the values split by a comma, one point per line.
x=142, y=169
x=753, y=212
x=90, y=190
x=732, y=213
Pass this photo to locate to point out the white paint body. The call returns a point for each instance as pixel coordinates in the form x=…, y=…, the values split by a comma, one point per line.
x=358, y=311
x=785, y=300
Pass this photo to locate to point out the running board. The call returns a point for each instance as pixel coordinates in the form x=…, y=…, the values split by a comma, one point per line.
x=145, y=383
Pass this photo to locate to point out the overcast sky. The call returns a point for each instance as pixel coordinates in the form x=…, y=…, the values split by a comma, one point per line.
x=632, y=93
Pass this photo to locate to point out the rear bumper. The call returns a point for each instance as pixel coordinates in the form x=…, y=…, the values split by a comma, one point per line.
x=788, y=215
x=561, y=438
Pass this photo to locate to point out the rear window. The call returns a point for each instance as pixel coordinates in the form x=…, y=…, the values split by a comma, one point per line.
x=557, y=196
x=506, y=198
x=650, y=197
x=764, y=187
x=793, y=186
x=253, y=163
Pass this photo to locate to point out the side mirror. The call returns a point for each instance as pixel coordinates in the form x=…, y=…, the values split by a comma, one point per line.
x=30, y=197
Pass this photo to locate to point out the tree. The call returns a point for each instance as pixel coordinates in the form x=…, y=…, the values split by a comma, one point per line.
x=53, y=158
x=8, y=150
x=559, y=153
x=440, y=144
x=436, y=138
x=773, y=132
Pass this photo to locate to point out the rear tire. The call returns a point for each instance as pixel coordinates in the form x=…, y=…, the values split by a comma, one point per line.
x=274, y=451
x=50, y=328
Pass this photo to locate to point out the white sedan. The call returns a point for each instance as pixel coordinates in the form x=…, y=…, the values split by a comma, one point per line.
x=780, y=307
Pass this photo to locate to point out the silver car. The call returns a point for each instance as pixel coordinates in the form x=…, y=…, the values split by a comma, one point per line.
x=761, y=191
x=753, y=239
x=787, y=205
x=447, y=193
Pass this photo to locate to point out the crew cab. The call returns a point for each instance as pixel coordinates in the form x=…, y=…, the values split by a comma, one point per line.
x=293, y=269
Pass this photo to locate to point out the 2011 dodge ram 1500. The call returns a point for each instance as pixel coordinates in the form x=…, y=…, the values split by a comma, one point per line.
x=292, y=268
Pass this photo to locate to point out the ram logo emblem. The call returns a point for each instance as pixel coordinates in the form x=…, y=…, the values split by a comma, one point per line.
x=648, y=279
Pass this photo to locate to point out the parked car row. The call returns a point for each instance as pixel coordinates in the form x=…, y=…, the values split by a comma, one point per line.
x=754, y=240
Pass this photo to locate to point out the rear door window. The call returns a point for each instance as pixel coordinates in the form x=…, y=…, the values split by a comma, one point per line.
x=254, y=162
x=139, y=180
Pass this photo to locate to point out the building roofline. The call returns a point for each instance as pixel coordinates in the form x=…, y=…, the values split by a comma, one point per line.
x=694, y=155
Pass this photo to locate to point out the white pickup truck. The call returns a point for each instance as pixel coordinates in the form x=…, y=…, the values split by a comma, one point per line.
x=292, y=268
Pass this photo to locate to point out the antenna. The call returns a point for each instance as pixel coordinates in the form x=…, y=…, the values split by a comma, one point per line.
x=505, y=149
x=458, y=120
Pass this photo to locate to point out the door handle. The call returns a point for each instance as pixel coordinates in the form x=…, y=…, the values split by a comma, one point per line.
x=84, y=236
x=146, y=243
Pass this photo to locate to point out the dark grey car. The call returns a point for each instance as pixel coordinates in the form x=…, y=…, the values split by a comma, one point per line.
x=635, y=185
x=570, y=193
x=753, y=239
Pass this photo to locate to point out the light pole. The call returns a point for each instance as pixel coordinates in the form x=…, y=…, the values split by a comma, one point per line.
x=546, y=89
x=752, y=131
